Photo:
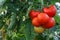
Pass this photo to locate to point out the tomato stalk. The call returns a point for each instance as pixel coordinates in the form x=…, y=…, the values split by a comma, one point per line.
x=48, y=2
x=42, y=4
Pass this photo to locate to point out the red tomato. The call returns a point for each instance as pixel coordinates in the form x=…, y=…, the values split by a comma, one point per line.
x=51, y=11
x=35, y=22
x=50, y=23
x=33, y=14
x=53, y=8
x=43, y=18
x=47, y=11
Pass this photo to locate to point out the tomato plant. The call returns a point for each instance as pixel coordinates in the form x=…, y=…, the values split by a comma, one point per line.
x=20, y=20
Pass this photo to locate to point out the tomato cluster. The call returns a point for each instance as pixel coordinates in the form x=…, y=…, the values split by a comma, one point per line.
x=43, y=20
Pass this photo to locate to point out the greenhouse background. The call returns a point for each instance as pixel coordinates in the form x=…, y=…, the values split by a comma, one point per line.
x=16, y=24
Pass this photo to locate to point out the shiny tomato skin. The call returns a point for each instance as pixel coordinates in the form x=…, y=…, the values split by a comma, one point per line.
x=50, y=23
x=51, y=11
x=35, y=22
x=53, y=8
x=43, y=18
x=33, y=14
x=48, y=12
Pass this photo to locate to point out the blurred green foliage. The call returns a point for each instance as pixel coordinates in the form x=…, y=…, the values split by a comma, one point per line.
x=12, y=14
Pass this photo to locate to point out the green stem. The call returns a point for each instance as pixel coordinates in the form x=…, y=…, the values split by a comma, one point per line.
x=42, y=4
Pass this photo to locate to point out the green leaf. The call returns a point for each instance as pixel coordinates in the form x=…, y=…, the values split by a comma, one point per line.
x=12, y=22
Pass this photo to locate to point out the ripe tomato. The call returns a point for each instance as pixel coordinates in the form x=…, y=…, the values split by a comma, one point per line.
x=38, y=29
x=50, y=23
x=33, y=14
x=43, y=18
x=51, y=11
x=53, y=8
x=47, y=11
x=35, y=22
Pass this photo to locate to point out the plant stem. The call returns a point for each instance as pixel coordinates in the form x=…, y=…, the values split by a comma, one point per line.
x=42, y=4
